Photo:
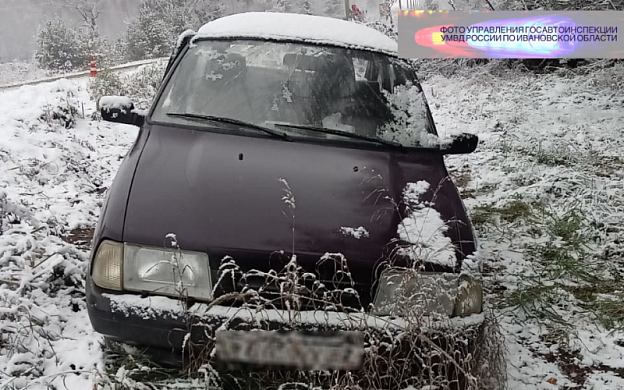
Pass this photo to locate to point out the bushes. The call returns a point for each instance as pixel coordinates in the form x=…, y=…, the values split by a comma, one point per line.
x=60, y=47
x=154, y=31
x=106, y=83
x=147, y=37
x=65, y=49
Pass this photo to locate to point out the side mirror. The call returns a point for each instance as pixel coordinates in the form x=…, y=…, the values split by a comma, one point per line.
x=120, y=109
x=460, y=144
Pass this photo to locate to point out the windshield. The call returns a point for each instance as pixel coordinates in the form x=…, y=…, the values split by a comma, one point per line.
x=291, y=87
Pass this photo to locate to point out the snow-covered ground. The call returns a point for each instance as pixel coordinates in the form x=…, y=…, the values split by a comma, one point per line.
x=52, y=183
x=550, y=150
x=546, y=191
x=19, y=71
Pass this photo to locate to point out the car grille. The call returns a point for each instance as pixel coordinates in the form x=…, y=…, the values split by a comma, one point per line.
x=325, y=285
x=312, y=295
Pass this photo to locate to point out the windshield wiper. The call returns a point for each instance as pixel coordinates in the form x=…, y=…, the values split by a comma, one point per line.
x=345, y=134
x=231, y=121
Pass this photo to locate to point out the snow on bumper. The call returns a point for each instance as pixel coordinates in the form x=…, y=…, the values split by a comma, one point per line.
x=155, y=309
x=161, y=326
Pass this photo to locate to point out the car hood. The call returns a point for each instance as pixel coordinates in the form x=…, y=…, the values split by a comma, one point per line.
x=250, y=197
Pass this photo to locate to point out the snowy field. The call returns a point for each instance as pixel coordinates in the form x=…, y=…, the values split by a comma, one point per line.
x=19, y=71
x=546, y=192
x=545, y=189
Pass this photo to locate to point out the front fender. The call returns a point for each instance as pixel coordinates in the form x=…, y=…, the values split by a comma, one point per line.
x=113, y=213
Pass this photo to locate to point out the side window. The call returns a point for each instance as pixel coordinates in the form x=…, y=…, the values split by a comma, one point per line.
x=403, y=74
x=360, y=65
x=379, y=71
x=400, y=75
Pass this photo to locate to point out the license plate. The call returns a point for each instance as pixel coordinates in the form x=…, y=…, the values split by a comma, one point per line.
x=304, y=351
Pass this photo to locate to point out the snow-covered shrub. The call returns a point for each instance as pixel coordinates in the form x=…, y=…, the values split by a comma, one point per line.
x=94, y=44
x=148, y=36
x=65, y=113
x=155, y=29
x=281, y=6
x=65, y=48
x=60, y=47
x=52, y=184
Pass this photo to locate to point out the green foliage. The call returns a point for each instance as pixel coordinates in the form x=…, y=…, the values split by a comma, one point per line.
x=564, y=268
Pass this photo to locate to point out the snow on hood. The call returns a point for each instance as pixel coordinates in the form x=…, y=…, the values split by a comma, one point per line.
x=424, y=229
x=298, y=27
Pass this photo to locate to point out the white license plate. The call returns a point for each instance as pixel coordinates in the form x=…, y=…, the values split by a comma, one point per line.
x=316, y=351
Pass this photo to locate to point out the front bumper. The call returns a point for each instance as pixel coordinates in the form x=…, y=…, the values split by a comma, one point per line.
x=162, y=323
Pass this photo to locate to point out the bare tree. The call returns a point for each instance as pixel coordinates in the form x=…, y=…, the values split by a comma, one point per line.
x=88, y=10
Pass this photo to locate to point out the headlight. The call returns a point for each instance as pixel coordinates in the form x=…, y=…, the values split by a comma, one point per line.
x=107, y=268
x=167, y=272
x=469, y=297
x=403, y=291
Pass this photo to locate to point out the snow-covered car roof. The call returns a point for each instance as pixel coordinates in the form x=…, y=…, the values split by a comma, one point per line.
x=297, y=27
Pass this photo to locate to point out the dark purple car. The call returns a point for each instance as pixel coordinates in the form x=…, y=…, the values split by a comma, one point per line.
x=277, y=141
